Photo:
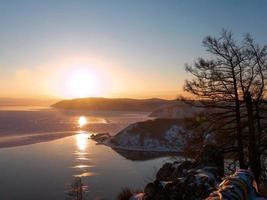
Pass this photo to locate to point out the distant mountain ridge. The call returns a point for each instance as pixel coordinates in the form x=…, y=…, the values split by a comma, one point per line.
x=178, y=110
x=116, y=104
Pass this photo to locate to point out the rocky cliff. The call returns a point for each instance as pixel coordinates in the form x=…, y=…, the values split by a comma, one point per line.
x=152, y=135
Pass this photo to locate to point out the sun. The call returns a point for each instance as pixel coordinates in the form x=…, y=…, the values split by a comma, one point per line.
x=82, y=83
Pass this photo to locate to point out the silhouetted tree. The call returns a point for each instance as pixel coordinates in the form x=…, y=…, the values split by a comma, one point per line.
x=232, y=83
x=252, y=82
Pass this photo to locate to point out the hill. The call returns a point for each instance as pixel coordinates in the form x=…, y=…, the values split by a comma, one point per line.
x=164, y=135
x=117, y=104
x=178, y=109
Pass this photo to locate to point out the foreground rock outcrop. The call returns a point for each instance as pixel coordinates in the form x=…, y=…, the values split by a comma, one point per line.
x=241, y=186
x=188, y=180
x=200, y=179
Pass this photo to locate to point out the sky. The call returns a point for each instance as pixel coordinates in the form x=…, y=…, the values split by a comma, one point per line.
x=112, y=48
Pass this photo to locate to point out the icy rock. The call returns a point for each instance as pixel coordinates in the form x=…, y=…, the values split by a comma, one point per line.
x=241, y=185
x=188, y=180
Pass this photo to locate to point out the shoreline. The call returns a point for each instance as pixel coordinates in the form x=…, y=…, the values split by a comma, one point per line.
x=139, y=149
x=28, y=139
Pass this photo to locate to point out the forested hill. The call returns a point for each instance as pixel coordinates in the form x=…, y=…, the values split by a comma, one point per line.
x=117, y=104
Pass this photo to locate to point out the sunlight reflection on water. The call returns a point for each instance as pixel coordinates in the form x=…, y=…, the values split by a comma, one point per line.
x=81, y=158
x=85, y=174
x=56, y=159
x=82, y=142
x=82, y=166
x=81, y=155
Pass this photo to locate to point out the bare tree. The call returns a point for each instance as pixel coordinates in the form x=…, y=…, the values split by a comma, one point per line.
x=252, y=83
x=215, y=81
x=232, y=82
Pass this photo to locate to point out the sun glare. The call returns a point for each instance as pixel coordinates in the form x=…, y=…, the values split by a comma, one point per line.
x=82, y=121
x=82, y=83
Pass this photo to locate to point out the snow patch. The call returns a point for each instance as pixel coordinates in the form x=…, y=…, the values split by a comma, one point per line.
x=171, y=140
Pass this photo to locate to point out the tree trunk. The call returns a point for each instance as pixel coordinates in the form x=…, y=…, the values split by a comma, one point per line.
x=254, y=158
x=240, y=147
x=258, y=123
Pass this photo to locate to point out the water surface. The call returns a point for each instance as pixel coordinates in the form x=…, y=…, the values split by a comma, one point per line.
x=44, y=170
x=48, y=148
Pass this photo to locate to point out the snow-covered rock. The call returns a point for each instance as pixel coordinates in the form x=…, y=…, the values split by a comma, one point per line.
x=152, y=135
x=201, y=179
x=241, y=185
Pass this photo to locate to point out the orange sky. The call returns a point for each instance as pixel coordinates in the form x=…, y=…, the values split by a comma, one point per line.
x=82, y=77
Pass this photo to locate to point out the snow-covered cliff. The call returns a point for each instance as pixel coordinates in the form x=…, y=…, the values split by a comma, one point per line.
x=152, y=135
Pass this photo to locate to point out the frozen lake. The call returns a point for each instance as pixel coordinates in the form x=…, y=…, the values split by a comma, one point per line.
x=44, y=170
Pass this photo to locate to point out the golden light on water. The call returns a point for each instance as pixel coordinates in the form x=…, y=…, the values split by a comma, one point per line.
x=82, y=166
x=81, y=141
x=82, y=121
x=81, y=153
x=84, y=174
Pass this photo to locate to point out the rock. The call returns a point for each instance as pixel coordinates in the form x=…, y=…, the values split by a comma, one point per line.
x=182, y=168
x=152, y=190
x=100, y=137
x=241, y=185
x=211, y=156
x=197, y=184
x=165, y=172
x=159, y=135
x=198, y=180
x=188, y=180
